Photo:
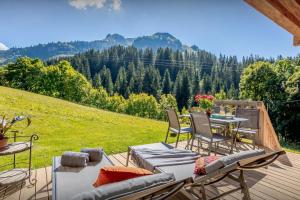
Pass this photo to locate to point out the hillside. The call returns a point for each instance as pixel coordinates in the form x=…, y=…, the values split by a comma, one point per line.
x=62, y=125
x=62, y=49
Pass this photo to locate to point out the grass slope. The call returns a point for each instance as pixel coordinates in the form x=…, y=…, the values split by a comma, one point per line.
x=63, y=126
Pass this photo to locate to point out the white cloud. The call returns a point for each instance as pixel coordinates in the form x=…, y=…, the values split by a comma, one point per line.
x=83, y=4
x=116, y=5
x=3, y=47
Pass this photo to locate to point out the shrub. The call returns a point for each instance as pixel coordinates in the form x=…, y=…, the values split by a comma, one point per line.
x=98, y=97
x=166, y=101
x=116, y=103
x=142, y=105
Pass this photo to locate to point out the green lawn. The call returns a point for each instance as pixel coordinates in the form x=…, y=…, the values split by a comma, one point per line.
x=63, y=126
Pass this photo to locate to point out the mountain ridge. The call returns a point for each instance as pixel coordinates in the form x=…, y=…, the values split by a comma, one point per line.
x=59, y=49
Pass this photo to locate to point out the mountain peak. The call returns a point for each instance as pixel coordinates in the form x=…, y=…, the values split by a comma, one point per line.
x=115, y=38
x=158, y=40
x=163, y=35
x=3, y=47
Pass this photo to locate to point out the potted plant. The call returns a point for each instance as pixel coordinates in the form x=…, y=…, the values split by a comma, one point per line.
x=6, y=125
x=205, y=103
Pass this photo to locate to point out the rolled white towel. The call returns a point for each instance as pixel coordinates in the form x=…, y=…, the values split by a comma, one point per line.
x=74, y=159
x=95, y=154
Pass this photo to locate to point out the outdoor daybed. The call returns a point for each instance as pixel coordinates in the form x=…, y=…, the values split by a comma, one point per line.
x=77, y=183
x=158, y=157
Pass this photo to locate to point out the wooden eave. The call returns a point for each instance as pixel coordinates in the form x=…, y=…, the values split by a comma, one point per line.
x=285, y=13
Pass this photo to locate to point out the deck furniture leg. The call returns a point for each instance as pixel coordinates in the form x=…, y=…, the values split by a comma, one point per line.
x=167, y=136
x=177, y=140
x=215, y=148
x=209, y=148
x=192, y=143
x=188, y=141
x=245, y=189
x=234, y=139
x=198, y=146
x=203, y=192
x=128, y=155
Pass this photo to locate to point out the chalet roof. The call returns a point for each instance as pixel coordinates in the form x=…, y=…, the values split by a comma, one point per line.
x=285, y=13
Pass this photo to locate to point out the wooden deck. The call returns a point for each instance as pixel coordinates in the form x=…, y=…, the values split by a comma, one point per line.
x=280, y=181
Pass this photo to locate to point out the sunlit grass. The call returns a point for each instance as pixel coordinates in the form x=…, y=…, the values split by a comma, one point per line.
x=62, y=126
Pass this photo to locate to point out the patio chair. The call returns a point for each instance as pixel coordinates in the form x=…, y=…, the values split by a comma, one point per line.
x=76, y=184
x=226, y=166
x=202, y=131
x=250, y=128
x=174, y=126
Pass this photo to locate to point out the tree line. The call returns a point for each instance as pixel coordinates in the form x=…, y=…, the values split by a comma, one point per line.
x=128, y=70
x=143, y=83
x=62, y=81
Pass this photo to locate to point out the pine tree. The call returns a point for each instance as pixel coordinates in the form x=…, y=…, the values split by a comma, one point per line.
x=97, y=80
x=167, y=83
x=177, y=91
x=196, y=84
x=185, y=89
x=106, y=80
x=139, y=80
x=121, y=82
x=151, y=83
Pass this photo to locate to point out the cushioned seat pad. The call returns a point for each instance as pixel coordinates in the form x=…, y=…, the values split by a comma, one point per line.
x=68, y=181
x=160, y=154
x=182, y=130
x=122, y=188
x=216, y=138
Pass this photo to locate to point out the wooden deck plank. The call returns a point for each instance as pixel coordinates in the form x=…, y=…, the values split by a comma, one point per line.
x=41, y=184
x=49, y=181
x=115, y=161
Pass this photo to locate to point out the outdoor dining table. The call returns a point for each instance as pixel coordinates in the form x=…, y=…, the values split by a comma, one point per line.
x=236, y=121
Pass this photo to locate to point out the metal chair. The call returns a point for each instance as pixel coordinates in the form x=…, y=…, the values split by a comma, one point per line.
x=174, y=126
x=250, y=128
x=202, y=132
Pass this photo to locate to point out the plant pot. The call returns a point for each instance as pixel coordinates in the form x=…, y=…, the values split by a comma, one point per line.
x=208, y=112
x=3, y=143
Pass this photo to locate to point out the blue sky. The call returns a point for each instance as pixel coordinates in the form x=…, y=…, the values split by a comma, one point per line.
x=231, y=27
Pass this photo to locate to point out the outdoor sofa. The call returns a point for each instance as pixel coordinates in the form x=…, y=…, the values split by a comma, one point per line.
x=158, y=157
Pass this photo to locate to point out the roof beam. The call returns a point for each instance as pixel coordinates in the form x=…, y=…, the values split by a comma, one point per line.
x=296, y=40
x=286, y=8
x=285, y=13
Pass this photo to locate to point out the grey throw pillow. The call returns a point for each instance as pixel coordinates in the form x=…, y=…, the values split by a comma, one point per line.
x=74, y=159
x=95, y=154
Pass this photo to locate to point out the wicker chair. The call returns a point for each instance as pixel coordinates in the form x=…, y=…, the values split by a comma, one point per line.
x=202, y=132
x=250, y=128
x=174, y=126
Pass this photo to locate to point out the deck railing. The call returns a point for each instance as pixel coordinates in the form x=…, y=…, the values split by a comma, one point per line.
x=267, y=136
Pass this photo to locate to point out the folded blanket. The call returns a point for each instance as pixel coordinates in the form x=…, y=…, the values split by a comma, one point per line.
x=151, y=158
x=95, y=154
x=74, y=159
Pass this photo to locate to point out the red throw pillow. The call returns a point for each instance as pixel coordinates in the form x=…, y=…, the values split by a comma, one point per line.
x=201, y=163
x=118, y=173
